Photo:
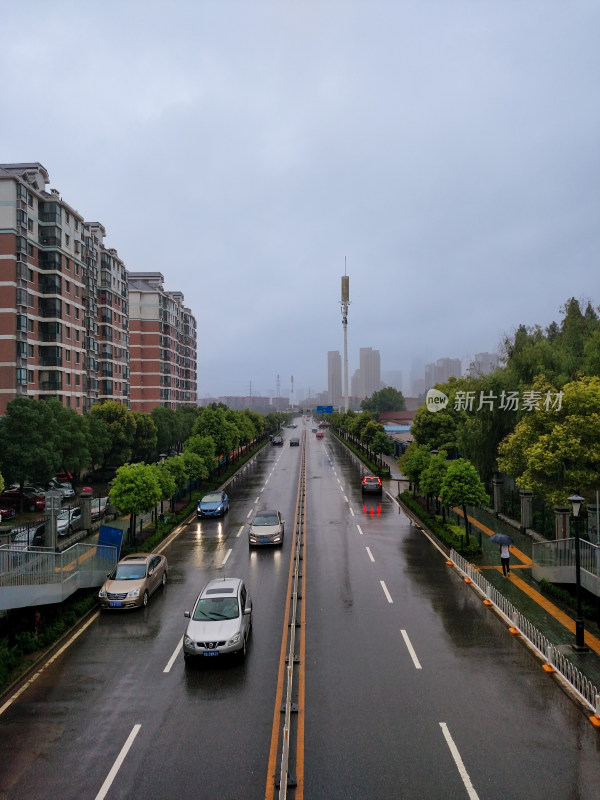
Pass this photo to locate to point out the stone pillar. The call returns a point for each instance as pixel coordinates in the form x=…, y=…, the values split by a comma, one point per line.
x=51, y=512
x=526, y=509
x=593, y=532
x=562, y=514
x=498, y=493
x=85, y=495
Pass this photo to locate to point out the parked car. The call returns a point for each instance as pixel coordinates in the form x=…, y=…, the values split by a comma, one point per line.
x=26, y=500
x=220, y=621
x=68, y=521
x=267, y=527
x=132, y=581
x=371, y=483
x=295, y=442
x=277, y=441
x=64, y=477
x=99, y=507
x=214, y=504
x=26, y=536
x=66, y=489
x=7, y=512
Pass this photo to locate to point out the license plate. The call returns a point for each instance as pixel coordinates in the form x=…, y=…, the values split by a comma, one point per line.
x=114, y=604
x=265, y=541
x=211, y=652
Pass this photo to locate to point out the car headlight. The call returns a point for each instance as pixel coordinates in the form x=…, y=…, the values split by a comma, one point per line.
x=187, y=641
x=133, y=593
x=235, y=639
x=219, y=508
x=102, y=593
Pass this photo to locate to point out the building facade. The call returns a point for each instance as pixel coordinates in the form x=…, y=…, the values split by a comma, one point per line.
x=163, y=345
x=65, y=312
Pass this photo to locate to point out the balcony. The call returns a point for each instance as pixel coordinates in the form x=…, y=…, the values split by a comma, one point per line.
x=51, y=386
x=50, y=287
x=50, y=331
x=50, y=308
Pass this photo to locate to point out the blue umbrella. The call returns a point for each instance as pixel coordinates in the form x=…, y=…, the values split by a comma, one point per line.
x=501, y=538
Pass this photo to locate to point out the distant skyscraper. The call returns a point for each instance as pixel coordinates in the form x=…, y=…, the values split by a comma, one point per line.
x=442, y=371
x=483, y=364
x=334, y=378
x=392, y=378
x=370, y=372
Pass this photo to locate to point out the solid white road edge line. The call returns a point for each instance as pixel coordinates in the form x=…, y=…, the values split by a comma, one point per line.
x=410, y=649
x=34, y=677
x=174, y=656
x=227, y=554
x=459, y=762
x=370, y=554
x=346, y=499
x=385, y=590
x=117, y=765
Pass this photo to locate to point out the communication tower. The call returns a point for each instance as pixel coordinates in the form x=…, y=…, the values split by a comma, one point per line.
x=345, y=302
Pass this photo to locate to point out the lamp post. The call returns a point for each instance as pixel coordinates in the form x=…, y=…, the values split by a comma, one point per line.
x=576, y=501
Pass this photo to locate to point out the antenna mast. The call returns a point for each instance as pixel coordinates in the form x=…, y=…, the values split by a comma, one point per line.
x=345, y=302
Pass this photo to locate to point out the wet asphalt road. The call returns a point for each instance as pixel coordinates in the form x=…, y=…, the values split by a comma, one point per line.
x=413, y=688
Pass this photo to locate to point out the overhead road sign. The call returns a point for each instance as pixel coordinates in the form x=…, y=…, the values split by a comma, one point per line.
x=324, y=410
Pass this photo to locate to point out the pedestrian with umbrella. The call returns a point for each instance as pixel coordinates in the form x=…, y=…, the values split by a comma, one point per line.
x=504, y=541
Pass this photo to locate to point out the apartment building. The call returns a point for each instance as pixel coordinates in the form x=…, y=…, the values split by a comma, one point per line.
x=163, y=345
x=48, y=293
x=65, y=309
x=334, y=378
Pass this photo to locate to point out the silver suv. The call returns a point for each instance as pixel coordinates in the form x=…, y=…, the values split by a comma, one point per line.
x=220, y=622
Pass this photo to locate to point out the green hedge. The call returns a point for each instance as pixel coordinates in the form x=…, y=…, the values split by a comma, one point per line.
x=565, y=597
x=375, y=469
x=450, y=534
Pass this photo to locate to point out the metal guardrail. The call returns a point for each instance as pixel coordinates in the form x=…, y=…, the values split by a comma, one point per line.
x=587, y=692
x=38, y=575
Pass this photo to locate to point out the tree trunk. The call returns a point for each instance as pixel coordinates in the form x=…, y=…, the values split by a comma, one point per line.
x=464, y=508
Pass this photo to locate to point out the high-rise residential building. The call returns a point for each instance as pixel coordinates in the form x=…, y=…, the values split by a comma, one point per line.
x=163, y=345
x=334, y=378
x=483, y=364
x=48, y=293
x=370, y=372
x=442, y=371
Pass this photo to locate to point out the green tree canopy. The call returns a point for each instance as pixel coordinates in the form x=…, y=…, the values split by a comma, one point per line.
x=387, y=399
x=29, y=441
x=555, y=452
x=144, y=447
x=120, y=424
x=462, y=487
x=414, y=461
x=167, y=428
x=135, y=488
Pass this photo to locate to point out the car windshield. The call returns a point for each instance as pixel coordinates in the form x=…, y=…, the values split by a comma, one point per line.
x=63, y=515
x=215, y=608
x=211, y=498
x=129, y=572
x=266, y=519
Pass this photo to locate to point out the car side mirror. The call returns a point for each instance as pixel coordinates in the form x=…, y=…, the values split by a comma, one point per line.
x=248, y=610
x=186, y=613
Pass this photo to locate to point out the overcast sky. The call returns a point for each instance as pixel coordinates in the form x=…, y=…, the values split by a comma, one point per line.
x=447, y=151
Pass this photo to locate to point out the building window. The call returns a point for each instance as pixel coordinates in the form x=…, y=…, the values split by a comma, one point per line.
x=29, y=224
x=77, y=402
x=67, y=238
x=67, y=355
x=77, y=380
x=21, y=349
x=77, y=334
x=30, y=250
x=30, y=275
x=67, y=286
x=21, y=377
x=30, y=376
x=30, y=325
x=21, y=322
x=68, y=378
x=77, y=357
x=67, y=309
x=30, y=350
x=67, y=262
x=67, y=331
x=68, y=401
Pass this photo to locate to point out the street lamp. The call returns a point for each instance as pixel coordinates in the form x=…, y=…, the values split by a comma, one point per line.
x=576, y=501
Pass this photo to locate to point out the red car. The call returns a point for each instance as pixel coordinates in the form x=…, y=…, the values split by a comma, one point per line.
x=6, y=512
x=18, y=499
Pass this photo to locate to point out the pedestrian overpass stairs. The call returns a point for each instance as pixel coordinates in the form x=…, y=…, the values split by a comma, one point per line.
x=39, y=576
x=555, y=562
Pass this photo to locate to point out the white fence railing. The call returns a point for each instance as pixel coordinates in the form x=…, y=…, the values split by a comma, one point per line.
x=582, y=686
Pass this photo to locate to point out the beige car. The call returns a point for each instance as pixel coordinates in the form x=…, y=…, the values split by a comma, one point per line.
x=133, y=580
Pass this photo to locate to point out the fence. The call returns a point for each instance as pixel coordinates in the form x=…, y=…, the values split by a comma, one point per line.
x=37, y=575
x=587, y=692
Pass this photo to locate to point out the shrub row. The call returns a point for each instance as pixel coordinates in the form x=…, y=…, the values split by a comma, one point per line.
x=565, y=597
x=450, y=534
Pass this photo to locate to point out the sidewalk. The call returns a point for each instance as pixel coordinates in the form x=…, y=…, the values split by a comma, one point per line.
x=557, y=625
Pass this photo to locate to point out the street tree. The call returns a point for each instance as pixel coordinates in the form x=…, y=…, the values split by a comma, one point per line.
x=167, y=428
x=462, y=487
x=413, y=462
x=382, y=444
x=120, y=424
x=135, y=489
x=144, y=447
x=433, y=475
x=29, y=442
